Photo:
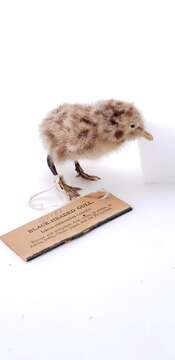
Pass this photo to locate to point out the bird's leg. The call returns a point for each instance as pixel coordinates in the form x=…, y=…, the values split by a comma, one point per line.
x=71, y=191
x=81, y=173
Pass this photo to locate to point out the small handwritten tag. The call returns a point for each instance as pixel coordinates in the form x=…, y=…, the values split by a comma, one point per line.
x=64, y=224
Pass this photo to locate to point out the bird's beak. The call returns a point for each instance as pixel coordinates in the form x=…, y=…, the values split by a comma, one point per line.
x=147, y=135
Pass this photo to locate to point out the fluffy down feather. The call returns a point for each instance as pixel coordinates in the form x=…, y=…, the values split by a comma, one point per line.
x=74, y=131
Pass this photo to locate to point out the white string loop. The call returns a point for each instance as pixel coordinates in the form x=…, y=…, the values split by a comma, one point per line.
x=34, y=204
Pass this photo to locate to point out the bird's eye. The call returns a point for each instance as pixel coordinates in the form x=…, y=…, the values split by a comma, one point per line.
x=132, y=126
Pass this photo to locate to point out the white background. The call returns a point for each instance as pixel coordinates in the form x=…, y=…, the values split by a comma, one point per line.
x=111, y=294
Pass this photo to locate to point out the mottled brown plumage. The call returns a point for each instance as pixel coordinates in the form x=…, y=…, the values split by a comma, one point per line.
x=75, y=131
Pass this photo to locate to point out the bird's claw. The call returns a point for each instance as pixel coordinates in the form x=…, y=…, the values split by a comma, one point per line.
x=81, y=173
x=71, y=191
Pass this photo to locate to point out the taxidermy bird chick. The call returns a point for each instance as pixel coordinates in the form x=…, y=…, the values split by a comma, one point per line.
x=75, y=131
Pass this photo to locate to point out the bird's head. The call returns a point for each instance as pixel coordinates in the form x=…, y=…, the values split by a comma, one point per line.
x=134, y=125
x=124, y=121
